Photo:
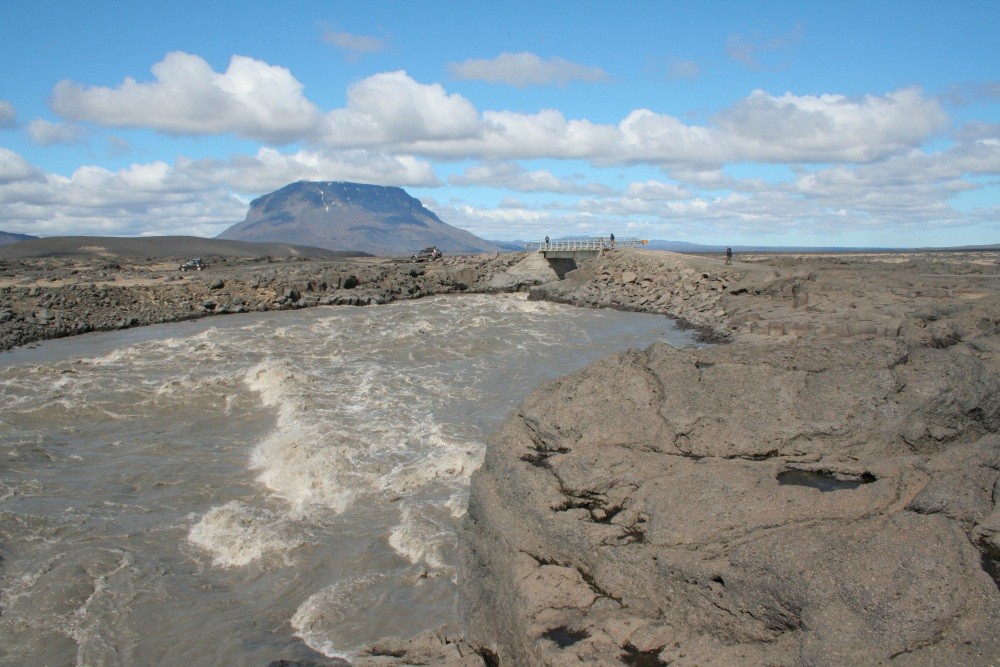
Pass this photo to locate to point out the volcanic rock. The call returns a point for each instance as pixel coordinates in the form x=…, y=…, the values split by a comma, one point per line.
x=825, y=490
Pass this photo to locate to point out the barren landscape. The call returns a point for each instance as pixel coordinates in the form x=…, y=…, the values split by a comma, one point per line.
x=819, y=488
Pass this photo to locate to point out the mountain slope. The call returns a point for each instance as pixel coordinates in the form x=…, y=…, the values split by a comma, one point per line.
x=157, y=246
x=351, y=216
x=6, y=238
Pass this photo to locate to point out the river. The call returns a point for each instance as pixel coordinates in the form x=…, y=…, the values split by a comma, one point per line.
x=238, y=490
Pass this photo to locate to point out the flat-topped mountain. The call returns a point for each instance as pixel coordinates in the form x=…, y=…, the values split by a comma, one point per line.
x=351, y=216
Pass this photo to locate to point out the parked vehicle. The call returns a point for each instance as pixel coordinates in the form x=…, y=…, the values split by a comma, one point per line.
x=195, y=264
x=427, y=255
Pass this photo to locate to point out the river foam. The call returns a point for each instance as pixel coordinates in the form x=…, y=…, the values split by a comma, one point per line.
x=266, y=486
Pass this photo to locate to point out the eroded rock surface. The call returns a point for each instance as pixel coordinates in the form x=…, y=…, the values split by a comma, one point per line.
x=822, y=498
x=56, y=297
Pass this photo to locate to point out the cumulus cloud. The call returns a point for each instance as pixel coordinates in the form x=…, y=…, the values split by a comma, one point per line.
x=146, y=198
x=656, y=191
x=393, y=112
x=46, y=133
x=916, y=186
x=14, y=168
x=393, y=109
x=514, y=220
x=251, y=99
x=828, y=128
x=526, y=69
x=270, y=169
x=908, y=192
x=198, y=197
x=8, y=114
x=854, y=162
x=511, y=176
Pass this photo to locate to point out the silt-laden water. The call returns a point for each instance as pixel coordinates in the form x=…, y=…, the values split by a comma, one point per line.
x=238, y=490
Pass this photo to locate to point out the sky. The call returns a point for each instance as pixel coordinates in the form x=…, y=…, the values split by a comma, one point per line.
x=857, y=124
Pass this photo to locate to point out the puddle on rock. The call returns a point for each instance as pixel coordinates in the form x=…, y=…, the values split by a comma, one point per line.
x=564, y=636
x=636, y=658
x=821, y=481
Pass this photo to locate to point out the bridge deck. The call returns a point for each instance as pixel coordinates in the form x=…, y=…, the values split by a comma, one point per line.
x=583, y=245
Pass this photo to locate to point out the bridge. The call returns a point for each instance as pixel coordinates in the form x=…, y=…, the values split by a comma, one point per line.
x=580, y=248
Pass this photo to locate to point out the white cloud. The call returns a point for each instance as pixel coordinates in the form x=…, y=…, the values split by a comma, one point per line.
x=147, y=198
x=393, y=109
x=251, y=98
x=526, y=69
x=14, y=168
x=391, y=112
x=511, y=176
x=395, y=113
x=46, y=133
x=192, y=197
x=269, y=169
x=828, y=128
x=513, y=220
x=656, y=190
x=8, y=114
x=907, y=193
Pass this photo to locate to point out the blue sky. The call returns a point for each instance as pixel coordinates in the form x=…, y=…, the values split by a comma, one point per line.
x=729, y=123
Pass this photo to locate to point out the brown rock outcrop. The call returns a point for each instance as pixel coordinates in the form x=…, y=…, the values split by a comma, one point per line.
x=51, y=298
x=820, y=493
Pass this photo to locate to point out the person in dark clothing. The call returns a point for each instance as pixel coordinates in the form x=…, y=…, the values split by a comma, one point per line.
x=612, y=237
x=546, y=241
x=729, y=255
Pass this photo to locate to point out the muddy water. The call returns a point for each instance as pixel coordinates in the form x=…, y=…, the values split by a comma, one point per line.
x=238, y=490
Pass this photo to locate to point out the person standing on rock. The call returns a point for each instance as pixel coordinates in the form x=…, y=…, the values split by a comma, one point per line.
x=729, y=255
x=612, y=237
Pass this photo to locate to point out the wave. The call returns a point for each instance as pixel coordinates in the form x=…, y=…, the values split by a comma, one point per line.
x=237, y=534
x=421, y=538
x=329, y=620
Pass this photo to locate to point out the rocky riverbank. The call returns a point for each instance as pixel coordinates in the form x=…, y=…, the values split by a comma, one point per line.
x=51, y=298
x=821, y=491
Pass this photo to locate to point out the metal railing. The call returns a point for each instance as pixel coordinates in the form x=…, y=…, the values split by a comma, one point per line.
x=594, y=243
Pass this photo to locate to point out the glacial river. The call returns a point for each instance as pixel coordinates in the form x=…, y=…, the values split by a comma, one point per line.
x=238, y=490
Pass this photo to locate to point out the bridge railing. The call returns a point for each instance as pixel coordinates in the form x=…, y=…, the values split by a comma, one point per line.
x=593, y=243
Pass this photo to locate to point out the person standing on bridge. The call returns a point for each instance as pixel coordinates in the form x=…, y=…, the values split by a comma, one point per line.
x=546, y=241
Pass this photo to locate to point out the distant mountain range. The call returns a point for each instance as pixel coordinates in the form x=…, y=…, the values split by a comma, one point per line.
x=6, y=238
x=375, y=219
x=160, y=247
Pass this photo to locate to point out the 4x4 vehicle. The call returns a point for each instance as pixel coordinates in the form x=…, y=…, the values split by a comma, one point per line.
x=427, y=255
x=195, y=264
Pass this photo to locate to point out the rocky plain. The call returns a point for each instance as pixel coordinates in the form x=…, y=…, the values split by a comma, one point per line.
x=815, y=484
